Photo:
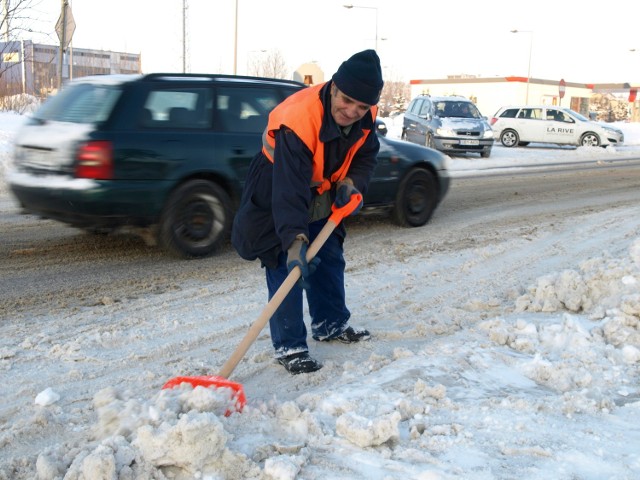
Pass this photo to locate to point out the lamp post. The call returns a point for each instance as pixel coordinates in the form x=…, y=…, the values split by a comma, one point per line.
x=350, y=6
x=235, y=42
x=529, y=69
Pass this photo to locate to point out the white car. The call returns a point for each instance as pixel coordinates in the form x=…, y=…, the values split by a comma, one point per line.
x=519, y=126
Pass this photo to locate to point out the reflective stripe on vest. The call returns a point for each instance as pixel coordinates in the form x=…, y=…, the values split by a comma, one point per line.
x=303, y=113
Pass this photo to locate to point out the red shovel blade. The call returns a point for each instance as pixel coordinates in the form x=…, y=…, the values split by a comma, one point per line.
x=215, y=381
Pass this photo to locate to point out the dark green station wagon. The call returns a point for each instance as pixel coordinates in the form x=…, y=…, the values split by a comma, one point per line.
x=166, y=155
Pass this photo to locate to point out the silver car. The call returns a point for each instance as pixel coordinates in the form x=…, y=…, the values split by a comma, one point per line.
x=451, y=124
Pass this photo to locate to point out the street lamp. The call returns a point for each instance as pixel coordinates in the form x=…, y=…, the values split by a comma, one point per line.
x=349, y=6
x=530, y=48
x=235, y=42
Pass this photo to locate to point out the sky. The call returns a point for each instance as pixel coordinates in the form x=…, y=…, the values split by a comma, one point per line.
x=513, y=358
x=416, y=39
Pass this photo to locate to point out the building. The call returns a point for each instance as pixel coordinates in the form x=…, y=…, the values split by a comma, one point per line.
x=489, y=94
x=34, y=69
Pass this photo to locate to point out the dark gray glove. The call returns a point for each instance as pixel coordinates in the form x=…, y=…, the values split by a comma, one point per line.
x=297, y=257
x=344, y=191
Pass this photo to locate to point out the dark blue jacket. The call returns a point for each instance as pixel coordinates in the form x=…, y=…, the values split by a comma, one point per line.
x=277, y=196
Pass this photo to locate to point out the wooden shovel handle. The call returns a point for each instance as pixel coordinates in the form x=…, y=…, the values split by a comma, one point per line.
x=294, y=275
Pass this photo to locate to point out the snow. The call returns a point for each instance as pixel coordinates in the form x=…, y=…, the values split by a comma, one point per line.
x=546, y=389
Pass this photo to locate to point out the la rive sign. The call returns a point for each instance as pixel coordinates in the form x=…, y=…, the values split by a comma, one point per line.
x=560, y=130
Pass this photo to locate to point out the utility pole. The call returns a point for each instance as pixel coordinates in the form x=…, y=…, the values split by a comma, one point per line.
x=63, y=38
x=184, y=36
x=65, y=26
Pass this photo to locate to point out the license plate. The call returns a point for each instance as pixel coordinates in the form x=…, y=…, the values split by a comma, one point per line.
x=469, y=142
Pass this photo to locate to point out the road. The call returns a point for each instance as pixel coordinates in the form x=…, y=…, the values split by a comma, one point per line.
x=46, y=265
x=82, y=313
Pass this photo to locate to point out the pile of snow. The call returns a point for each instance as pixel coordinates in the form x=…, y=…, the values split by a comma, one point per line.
x=554, y=393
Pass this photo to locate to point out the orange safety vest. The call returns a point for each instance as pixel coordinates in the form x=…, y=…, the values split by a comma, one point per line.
x=303, y=113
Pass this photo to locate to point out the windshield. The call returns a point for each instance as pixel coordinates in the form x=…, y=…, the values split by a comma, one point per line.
x=450, y=108
x=80, y=103
x=580, y=117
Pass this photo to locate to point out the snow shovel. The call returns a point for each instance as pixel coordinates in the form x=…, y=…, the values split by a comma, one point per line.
x=220, y=380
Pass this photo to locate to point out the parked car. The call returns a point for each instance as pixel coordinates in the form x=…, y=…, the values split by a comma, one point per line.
x=451, y=124
x=521, y=125
x=167, y=155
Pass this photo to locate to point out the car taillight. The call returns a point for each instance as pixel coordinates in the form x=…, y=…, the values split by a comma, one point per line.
x=95, y=160
x=493, y=120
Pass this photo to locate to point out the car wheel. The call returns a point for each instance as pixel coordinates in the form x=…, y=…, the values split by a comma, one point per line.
x=416, y=199
x=403, y=135
x=590, y=139
x=509, y=138
x=523, y=144
x=486, y=154
x=195, y=220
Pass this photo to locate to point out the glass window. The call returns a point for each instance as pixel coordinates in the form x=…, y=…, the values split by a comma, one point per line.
x=80, y=103
x=178, y=108
x=531, y=113
x=425, y=108
x=415, y=106
x=511, y=113
x=245, y=110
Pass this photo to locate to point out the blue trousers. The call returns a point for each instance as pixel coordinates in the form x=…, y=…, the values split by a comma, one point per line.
x=325, y=297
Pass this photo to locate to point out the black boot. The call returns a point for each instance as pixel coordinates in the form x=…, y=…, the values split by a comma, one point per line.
x=299, y=363
x=352, y=335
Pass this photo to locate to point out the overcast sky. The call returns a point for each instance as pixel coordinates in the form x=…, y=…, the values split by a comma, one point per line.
x=415, y=38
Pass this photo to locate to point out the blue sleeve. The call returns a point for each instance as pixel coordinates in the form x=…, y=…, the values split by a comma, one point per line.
x=291, y=197
x=364, y=163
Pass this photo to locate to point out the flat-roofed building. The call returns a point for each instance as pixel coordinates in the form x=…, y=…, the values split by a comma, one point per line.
x=32, y=68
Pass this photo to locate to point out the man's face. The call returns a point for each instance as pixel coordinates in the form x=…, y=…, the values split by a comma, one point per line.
x=345, y=110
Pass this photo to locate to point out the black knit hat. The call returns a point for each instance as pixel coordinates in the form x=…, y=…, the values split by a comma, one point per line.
x=360, y=77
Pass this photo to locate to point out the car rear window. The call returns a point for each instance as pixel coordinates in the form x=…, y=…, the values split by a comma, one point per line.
x=80, y=103
x=509, y=113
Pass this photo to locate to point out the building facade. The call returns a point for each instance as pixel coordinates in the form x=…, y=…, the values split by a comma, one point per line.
x=34, y=69
x=489, y=94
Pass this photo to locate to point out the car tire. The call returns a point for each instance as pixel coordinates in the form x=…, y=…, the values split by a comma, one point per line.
x=417, y=198
x=509, y=138
x=486, y=154
x=590, y=139
x=403, y=135
x=523, y=144
x=195, y=220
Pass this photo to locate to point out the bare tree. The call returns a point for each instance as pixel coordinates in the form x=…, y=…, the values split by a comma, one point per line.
x=17, y=21
x=17, y=18
x=609, y=108
x=271, y=65
x=394, y=98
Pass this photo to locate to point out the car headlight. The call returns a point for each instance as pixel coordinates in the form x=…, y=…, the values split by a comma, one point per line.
x=488, y=134
x=612, y=130
x=445, y=132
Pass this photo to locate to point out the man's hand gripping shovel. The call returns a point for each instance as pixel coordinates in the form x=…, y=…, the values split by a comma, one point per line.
x=220, y=380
